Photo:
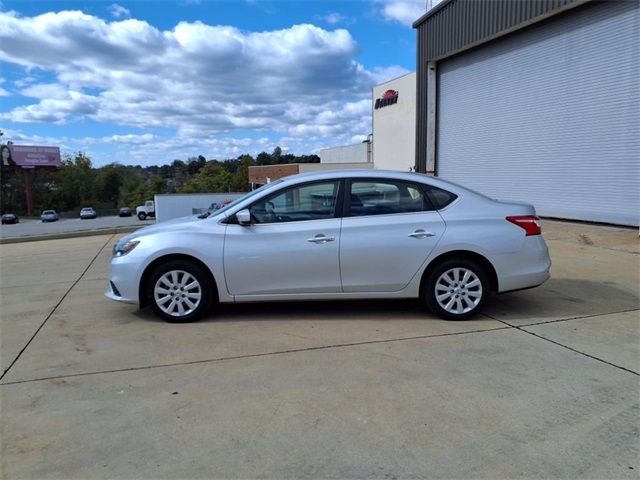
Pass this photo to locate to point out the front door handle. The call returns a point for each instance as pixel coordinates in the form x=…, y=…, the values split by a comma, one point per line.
x=421, y=234
x=320, y=238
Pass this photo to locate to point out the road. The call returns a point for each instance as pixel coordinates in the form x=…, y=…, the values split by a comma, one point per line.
x=28, y=227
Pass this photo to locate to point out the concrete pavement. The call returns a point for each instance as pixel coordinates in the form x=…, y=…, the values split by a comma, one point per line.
x=545, y=385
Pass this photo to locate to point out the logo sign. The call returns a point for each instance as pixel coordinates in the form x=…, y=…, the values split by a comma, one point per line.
x=26, y=156
x=390, y=97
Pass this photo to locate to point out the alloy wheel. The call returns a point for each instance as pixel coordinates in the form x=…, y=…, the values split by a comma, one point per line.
x=458, y=291
x=177, y=293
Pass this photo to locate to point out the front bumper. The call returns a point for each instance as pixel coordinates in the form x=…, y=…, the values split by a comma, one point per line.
x=123, y=280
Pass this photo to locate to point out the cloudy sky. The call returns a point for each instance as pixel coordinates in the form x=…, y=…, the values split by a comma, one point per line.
x=146, y=82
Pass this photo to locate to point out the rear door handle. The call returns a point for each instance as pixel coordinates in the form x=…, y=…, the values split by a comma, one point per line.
x=421, y=234
x=320, y=238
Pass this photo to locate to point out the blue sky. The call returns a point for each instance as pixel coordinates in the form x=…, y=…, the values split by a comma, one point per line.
x=147, y=82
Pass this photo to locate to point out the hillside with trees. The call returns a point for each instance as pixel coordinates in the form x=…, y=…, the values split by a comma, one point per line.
x=79, y=184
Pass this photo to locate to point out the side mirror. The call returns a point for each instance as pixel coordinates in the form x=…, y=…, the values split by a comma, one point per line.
x=244, y=217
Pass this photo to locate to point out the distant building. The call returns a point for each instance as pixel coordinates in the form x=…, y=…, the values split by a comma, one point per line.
x=392, y=144
x=358, y=153
x=394, y=123
x=263, y=174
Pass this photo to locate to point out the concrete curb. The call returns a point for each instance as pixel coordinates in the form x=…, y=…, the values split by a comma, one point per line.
x=62, y=235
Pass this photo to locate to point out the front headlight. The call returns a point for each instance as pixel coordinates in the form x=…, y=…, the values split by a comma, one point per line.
x=122, y=248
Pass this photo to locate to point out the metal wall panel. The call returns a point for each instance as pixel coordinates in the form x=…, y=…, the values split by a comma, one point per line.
x=550, y=115
x=456, y=25
x=421, y=105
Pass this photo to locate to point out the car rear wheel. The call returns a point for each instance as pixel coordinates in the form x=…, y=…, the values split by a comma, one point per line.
x=180, y=292
x=456, y=289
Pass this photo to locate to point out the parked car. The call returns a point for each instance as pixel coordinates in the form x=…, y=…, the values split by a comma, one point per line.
x=336, y=235
x=49, y=216
x=125, y=212
x=87, y=212
x=8, y=218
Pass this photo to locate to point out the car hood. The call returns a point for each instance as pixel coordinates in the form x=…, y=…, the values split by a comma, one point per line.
x=167, y=226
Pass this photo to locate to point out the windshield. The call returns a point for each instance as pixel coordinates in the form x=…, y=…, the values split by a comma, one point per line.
x=241, y=199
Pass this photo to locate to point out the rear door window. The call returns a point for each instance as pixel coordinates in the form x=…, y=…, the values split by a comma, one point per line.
x=386, y=197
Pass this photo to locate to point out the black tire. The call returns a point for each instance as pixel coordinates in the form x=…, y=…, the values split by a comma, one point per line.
x=142, y=216
x=206, y=290
x=463, y=296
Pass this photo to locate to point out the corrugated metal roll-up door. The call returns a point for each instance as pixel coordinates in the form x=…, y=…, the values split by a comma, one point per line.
x=549, y=115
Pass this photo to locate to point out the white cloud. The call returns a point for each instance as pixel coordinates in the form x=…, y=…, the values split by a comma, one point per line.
x=334, y=18
x=403, y=11
x=23, y=82
x=45, y=90
x=202, y=81
x=129, y=139
x=118, y=11
x=3, y=92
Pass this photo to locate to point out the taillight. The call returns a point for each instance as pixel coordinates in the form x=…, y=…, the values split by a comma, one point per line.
x=530, y=223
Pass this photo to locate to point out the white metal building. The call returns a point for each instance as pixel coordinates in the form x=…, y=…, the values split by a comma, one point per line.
x=357, y=153
x=537, y=101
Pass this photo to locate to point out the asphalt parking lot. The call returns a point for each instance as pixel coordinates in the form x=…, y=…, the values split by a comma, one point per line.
x=544, y=385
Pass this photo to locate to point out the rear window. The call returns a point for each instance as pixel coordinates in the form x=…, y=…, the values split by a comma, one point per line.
x=439, y=198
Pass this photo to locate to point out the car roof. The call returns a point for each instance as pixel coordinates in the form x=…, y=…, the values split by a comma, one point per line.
x=376, y=173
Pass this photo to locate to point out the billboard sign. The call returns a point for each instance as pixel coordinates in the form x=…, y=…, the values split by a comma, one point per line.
x=26, y=156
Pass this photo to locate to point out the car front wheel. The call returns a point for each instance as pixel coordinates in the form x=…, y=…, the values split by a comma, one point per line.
x=180, y=292
x=142, y=216
x=456, y=289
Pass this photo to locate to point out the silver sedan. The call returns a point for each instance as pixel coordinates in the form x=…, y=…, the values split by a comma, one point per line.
x=336, y=235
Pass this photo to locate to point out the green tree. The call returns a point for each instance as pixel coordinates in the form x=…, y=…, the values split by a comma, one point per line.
x=206, y=181
x=241, y=178
x=108, y=182
x=74, y=182
x=223, y=181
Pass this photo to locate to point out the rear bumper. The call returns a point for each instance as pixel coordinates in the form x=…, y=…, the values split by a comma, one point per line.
x=527, y=268
x=525, y=282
